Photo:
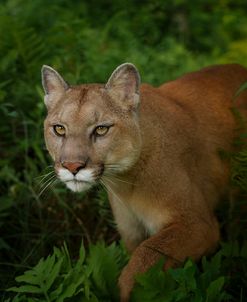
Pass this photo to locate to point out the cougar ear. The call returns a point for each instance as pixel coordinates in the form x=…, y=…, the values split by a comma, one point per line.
x=52, y=82
x=125, y=83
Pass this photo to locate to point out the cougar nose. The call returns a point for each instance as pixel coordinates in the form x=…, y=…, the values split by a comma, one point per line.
x=74, y=167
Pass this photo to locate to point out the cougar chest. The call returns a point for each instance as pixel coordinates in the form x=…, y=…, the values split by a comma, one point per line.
x=137, y=218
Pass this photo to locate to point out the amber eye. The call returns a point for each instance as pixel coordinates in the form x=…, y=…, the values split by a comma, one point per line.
x=59, y=130
x=101, y=130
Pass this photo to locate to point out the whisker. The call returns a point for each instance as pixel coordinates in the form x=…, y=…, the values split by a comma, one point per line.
x=113, y=193
x=108, y=179
x=43, y=181
x=116, y=167
x=46, y=181
x=54, y=182
x=102, y=184
x=113, y=165
x=117, y=178
x=108, y=188
x=49, y=183
x=48, y=168
x=44, y=175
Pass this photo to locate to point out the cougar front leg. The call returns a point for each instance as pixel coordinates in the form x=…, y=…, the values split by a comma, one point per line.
x=179, y=240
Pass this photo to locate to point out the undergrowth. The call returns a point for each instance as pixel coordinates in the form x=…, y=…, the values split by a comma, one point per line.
x=93, y=277
x=85, y=41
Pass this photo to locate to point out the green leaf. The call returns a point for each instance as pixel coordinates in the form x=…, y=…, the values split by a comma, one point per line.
x=154, y=278
x=28, y=278
x=26, y=289
x=82, y=254
x=105, y=264
x=214, y=289
x=216, y=262
x=53, y=274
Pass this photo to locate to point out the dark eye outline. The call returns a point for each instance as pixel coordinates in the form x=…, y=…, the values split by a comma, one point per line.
x=101, y=126
x=106, y=125
x=55, y=131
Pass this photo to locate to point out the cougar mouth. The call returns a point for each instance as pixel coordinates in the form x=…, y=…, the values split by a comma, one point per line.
x=82, y=180
x=78, y=186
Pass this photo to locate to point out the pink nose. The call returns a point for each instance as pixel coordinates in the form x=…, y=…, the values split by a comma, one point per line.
x=73, y=167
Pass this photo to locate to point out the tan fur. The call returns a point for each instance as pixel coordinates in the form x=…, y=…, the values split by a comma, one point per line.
x=171, y=176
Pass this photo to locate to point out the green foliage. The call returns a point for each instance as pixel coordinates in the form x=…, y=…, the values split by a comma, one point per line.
x=208, y=283
x=85, y=41
x=58, y=278
x=183, y=284
x=106, y=264
x=93, y=277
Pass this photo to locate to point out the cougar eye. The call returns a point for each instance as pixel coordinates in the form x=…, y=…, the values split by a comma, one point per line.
x=59, y=130
x=101, y=130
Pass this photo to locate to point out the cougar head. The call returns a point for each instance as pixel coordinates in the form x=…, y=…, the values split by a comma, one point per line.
x=92, y=130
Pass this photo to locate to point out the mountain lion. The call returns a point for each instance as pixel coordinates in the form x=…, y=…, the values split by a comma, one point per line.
x=156, y=150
